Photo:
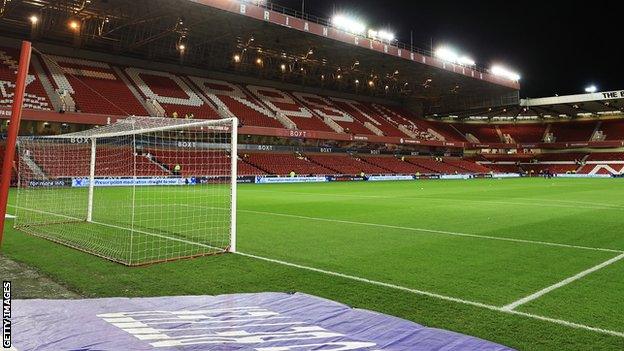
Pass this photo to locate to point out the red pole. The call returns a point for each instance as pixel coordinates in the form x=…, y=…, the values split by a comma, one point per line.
x=16, y=116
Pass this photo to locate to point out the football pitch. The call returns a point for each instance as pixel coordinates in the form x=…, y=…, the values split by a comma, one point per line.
x=534, y=264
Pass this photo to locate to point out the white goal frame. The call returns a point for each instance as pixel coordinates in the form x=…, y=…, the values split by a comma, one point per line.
x=131, y=128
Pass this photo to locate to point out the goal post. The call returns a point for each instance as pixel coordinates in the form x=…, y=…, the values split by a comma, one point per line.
x=139, y=191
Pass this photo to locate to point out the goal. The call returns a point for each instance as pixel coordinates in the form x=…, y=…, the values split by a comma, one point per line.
x=139, y=191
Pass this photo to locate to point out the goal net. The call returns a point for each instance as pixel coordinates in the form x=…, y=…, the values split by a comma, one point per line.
x=140, y=191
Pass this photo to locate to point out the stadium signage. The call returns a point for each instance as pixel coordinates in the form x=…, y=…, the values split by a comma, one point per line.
x=298, y=133
x=187, y=144
x=264, y=147
x=113, y=182
x=613, y=94
x=79, y=140
x=49, y=183
x=455, y=176
x=274, y=180
x=387, y=178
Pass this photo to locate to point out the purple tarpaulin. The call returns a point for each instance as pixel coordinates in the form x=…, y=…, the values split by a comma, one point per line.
x=260, y=322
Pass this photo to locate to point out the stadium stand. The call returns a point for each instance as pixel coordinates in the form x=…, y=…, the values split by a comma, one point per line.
x=613, y=129
x=446, y=130
x=171, y=92
x=434, y=166
x=524, y=132
x=36, y=96
x=565, y=156
x=364, y=114
x=394, y=165
x=572, y=130
x=280, y=102
x=94, y=87
x=606, y=156
x=485, y=133
x=283, y=164
x=471, y=167
x=345, y=164
x=329, y=112
x=58, y=161
x=504, y=168
x=237, y=101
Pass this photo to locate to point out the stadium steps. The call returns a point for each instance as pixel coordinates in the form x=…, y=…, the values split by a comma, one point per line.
x=34, y=167
x=159, y=164
x=330, y=167
x=246, y=161
x=376, y=165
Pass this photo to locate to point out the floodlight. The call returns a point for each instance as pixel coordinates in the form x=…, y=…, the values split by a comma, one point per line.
x=505, y=73
x=283, y=67
x=387, y=36
x=348, y=24
x=237, y=58
x=447, y=54
x=33, y=19
x=591, y=89
x=466, y=61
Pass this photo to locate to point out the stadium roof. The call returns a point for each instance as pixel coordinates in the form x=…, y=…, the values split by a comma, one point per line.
x=599, y=104
x=264, y=41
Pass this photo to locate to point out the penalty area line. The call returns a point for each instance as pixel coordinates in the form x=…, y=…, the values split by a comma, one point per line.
x=432, y=231
x=560, y=284
x=422, y=230
x=437, y=296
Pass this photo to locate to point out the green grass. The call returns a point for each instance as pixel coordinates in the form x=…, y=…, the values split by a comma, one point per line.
x=410, y=234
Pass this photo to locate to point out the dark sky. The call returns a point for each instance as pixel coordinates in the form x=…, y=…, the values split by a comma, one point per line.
x=559, y=47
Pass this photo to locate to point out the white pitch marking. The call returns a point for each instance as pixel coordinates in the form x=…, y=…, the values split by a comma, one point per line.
x=438, y=296
x=433, y=231
x=402, y=288
x=564, y=282
x=546, y=243
x=535, y=203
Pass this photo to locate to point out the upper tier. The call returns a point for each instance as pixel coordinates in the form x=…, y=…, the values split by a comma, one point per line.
x=94, y=87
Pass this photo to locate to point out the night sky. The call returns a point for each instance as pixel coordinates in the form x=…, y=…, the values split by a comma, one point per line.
x=558, y=47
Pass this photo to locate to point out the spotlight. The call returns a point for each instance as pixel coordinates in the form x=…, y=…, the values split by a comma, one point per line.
x=283, y=67
x=237, y=58
x=371, y=83
x=181, y=47
x=33, y=19
x=74, y=25
x=591, y=89
x=259, y=61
